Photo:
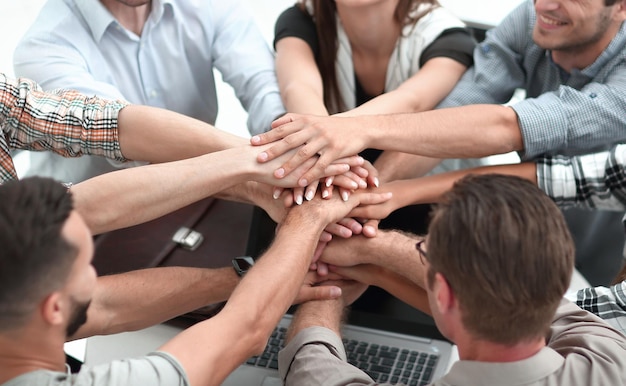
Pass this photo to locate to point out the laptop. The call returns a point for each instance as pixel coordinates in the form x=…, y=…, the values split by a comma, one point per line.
x=385, y=337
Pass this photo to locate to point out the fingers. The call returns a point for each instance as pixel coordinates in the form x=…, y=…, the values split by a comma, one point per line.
x=354, y=161
x=367, y=198
x=311, y=190
x=351, y=224
x=322, y=268
x=314, y=173
x=298, y=195
x=339, y=230
x=349, y=180
x=370, y=228
x=277, y=192
x=372, y=174
x=327, y=189
x=324, y=292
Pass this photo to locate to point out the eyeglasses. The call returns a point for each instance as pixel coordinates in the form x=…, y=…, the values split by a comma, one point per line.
x=422, y=252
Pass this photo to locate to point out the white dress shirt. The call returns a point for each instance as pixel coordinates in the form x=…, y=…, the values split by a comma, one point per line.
x=78, y=44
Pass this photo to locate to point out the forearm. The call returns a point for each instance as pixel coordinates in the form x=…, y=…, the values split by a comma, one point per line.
x=461, y=132
x=132, y=198
x=255, y=307
x=157, y=135
x=392, y=165
x=402, y=288
x=322, y=313
x=139, y=299
x=396, y=252
x=430, y=189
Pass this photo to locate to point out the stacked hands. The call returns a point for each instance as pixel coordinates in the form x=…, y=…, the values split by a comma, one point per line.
x=307, y=159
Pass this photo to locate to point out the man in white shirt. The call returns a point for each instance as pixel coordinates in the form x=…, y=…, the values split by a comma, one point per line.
x=159, y=53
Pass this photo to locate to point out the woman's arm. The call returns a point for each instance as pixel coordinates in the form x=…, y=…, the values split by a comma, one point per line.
x=299, y=79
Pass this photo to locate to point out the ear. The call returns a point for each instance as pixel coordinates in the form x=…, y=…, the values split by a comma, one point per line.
x=621, y=10
x=444, y=296
x=52, y=309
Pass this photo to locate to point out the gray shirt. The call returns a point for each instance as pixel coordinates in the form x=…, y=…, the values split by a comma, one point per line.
x=581, y=350
x=564, y=113
x=155, y=369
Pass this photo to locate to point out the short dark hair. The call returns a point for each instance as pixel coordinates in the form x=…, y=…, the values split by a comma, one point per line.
x=506, y=251
x=35, y=259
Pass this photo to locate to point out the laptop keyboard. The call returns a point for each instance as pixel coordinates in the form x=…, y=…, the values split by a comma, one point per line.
x=382, y=363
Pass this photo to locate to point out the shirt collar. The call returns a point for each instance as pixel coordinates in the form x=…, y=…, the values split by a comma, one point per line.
x=545, y=362
x=98, y=18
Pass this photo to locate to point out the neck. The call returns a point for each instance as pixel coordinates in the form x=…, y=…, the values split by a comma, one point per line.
x=582, y=57
x=371, y=29
x=485, y=351
x=29, y=349
x=131, y=18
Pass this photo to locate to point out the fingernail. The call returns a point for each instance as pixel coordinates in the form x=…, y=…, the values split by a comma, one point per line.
x=279, y=173
x=255, y=139
x=303, y=182
x=324, y=193
x=335, y=292
x=354, y=185
x=376, y=182
x=309, y=195
x=344, y=196
x=361, y=159
x=276, y=194
x=362, y=184
x=329, y=182
x=299, y=199
x=263, y=156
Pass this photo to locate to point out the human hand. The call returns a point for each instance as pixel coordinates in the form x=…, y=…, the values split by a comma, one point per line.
x=329, y=137
x=364, y=273
x=262, y=172
x=351, y=290
x=335, y=209
x=310, y=289
x=346, y=252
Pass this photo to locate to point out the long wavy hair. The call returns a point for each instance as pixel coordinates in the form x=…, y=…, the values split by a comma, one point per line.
x=324, y=12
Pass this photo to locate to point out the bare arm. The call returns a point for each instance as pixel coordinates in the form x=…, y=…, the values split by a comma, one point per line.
x=140, y=194
x=390, y=249
x=461, y=132
x=421, y=92
x=142, y=298
x=429, y=189
x=157, y=135
x=299, y=78
x=210, y=350
x=392, y=282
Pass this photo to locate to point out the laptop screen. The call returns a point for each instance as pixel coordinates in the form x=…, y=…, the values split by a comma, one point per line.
x=375, y=308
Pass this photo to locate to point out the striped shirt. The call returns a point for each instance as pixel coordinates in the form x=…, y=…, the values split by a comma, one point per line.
x=593, y=181
x=571, y=114
x=65, y=122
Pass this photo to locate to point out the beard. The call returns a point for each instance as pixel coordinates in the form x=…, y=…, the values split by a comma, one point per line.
x=78, y=317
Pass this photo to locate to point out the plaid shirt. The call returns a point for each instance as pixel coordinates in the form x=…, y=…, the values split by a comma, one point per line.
x=607, y=303
x=593, y=181
x=66, y=122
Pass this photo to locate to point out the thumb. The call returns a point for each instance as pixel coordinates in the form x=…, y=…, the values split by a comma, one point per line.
x=324, y=292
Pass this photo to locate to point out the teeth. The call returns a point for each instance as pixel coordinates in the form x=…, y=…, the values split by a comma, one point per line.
x=550, y=21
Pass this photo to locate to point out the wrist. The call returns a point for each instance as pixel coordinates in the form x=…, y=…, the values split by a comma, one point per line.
x=318, y=313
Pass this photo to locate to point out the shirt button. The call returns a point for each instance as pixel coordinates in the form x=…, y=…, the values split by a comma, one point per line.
x=593, y=95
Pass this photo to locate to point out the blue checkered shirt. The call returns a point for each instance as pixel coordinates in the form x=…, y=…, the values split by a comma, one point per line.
x=564, y=113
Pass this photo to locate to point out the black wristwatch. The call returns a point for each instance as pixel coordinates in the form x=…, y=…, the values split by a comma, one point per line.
x=242, y=264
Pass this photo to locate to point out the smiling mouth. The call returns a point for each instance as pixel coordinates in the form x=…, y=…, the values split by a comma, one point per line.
x=550, y=21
